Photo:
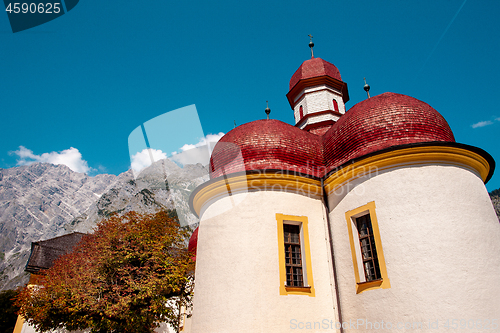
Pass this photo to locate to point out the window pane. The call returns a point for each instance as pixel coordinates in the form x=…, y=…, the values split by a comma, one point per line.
x=368, y=250
x=293, y=255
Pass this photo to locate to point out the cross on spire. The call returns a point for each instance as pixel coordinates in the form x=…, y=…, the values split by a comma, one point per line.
x=311, y=45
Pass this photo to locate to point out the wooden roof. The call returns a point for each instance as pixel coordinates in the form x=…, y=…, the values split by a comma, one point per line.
x=44, y=253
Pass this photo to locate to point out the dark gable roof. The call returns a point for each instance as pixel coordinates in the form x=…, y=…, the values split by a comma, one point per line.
x=44, y=253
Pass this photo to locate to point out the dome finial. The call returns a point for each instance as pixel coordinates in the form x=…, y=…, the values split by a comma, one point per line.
x=267, y=110
x=311, y=45
x=366, y=88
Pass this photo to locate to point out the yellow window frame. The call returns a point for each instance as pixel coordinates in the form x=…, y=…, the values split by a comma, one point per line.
x=308, y=276
x=351, y=216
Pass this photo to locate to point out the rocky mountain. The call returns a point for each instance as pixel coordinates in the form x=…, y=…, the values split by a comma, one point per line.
x=495, y=199
x=42, y=201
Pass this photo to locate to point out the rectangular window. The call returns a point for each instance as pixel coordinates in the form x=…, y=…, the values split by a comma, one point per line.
x=294, y=256
x=368, y=249
x=370, y=271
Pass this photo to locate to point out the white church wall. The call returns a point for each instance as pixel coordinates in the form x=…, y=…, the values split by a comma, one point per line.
x=237, y=268
x=441, y=243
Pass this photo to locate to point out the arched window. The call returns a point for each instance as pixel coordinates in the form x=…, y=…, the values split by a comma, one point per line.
x=301, y=112
x=335, y=105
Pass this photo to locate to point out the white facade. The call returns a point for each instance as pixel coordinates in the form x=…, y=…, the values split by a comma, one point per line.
x=237, y=266
x=439, y=236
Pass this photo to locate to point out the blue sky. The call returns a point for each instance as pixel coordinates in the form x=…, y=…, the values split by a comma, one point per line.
x=89, y=78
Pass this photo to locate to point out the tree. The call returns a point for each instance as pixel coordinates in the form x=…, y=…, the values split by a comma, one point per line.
x=125, y=277
x=8, y=311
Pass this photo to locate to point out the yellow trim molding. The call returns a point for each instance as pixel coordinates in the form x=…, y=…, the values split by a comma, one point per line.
x=362, y=285
x=20, y=319
x=272, y=181
x=19, y=324
x=442, y=155
x=308, y=276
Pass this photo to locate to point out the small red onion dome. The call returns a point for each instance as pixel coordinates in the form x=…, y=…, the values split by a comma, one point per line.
x=381, y=122
x=314, y=67
x=267, y=144
x=193, y=243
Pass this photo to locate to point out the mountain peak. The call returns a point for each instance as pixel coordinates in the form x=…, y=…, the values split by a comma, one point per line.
x=41, y=201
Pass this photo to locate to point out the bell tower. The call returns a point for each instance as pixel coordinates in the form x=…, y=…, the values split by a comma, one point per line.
x=317, y=94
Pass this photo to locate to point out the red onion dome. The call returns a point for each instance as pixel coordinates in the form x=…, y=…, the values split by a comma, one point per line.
x=314, y=67
x=381, y=122
x=267, y=144
x=193, y=243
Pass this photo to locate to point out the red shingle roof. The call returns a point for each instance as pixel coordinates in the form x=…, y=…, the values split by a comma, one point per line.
x=193, y=243
x=381, y=122
x=267, y=144
x=314, y=67
x=372, y=125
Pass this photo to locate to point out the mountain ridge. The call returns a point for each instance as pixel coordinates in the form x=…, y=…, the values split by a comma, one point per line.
x=42, y=201
x=36, y=201
x=495, y=200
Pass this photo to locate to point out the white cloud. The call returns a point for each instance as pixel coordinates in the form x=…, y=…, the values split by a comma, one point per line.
x=199, y=152
x=189, y=154
x=482, y=124
x=145, y=158
x=193, y=156
x=71, y=157
x=497, y=119
x=212, y=138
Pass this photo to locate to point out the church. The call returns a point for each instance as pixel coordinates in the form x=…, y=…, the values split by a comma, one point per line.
x=357, y=220
x=372, y=218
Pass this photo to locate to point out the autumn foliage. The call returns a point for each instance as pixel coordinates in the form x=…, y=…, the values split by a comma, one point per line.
x=128, y=276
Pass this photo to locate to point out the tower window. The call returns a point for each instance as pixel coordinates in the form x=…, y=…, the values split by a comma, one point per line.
x=301, y=112
x=335, y=105
x=293, y=256
x=368, y=260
